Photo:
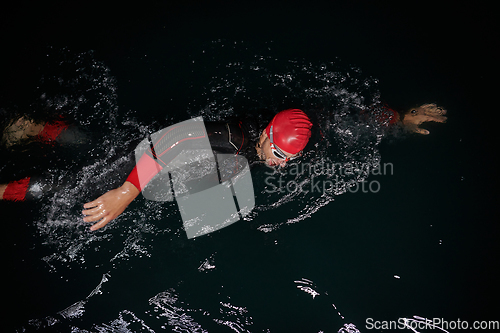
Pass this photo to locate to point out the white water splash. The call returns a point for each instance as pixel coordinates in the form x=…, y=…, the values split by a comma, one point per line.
x=207, y=264
x=307, y=286
x=234, y=317
x=348, y=328
x=167, y=306
x=76, y=310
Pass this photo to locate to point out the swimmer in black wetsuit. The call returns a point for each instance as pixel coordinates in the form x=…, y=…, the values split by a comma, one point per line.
x=283, y=139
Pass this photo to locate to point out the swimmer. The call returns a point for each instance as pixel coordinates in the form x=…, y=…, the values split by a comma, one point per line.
x=282, y=140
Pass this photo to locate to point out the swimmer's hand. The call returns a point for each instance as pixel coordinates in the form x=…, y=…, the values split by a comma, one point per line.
x=109, y=205
x=424, y=113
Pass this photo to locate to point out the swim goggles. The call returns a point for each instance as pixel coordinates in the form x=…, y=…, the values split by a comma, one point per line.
x=278, y=153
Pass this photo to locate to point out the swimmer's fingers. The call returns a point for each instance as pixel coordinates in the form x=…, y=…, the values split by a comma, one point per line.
x=97, y=214
x=434, y=113
x=421, y=131
x=101, y=223
x=91, y=209
x=92, y=204
x=435, y=118
x=109, y=205
x=433, y=109
x=94, y=214
x=438, y=119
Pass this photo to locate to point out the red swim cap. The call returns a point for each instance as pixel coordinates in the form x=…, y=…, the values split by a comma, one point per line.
x=291, y=130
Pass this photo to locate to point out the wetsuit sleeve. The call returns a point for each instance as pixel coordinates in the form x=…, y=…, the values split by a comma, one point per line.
x=163, y=147
x=144, y=171
x=382, y=114
x=393, y=116
x=170, y=142
x=386, y=116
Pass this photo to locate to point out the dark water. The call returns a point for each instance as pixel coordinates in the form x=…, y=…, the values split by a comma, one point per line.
x=424, y=245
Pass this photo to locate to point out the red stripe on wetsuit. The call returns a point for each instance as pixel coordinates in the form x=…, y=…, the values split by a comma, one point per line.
x=148, y=167
x=144, y=171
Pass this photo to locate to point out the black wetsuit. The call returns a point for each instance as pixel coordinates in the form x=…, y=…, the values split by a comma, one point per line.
x=227, y=138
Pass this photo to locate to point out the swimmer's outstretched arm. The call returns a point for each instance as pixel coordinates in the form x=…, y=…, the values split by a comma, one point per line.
x=109, y=205
x=171, y=142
